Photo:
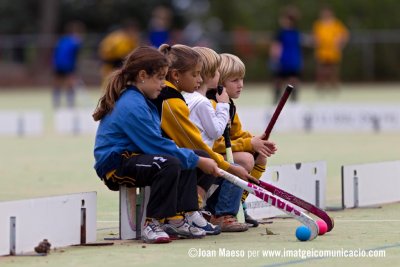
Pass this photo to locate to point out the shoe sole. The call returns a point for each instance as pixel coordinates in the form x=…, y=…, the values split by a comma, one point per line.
x=213, y=232
x=161, y=240
x=234, y=230
x=180, y=236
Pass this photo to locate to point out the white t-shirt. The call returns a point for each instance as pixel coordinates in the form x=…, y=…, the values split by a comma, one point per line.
x=211, y=122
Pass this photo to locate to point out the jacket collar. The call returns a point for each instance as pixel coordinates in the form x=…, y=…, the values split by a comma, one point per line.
x=169, y=84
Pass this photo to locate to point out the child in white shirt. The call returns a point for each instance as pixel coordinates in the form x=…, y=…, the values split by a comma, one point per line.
x=211, y=122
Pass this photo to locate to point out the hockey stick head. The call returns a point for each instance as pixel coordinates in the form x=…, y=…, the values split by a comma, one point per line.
x=274, y=201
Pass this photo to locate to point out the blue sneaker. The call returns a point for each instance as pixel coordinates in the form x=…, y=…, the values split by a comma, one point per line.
x=197, y=220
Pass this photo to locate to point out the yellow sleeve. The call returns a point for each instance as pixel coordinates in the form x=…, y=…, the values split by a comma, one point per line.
x=176, y=124
x=240, y=140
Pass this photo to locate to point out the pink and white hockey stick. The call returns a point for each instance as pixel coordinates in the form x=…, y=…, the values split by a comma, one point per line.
x=274, y=201
x=299, y=202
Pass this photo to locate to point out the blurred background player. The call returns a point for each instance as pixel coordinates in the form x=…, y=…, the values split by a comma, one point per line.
x=65, y=59
x=285, y=53
x=330, y=36
x=117, y=45
x=159, y=28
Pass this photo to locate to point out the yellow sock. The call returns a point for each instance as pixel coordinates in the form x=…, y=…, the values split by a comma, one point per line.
x=177, y=217
x=200, y=201
x=148, y=219
x=256, y=172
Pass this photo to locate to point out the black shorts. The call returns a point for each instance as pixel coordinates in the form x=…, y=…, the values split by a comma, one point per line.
x=284, y=74
x=63, y=73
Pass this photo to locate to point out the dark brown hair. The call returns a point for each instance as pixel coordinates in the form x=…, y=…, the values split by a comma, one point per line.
x=181, y=57
x=144, y=58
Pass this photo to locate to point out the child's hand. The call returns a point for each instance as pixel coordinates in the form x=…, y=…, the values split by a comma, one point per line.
x=263, y=147
x=241, y=172
x=223, y=97
x=208, y=166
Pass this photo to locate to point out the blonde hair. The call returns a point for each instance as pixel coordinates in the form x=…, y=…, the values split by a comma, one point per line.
x=231, y=66
x=211, y=61
x=181, y=58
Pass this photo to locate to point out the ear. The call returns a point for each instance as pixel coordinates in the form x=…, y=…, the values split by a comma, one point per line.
x=142, y=75
x=174, y=75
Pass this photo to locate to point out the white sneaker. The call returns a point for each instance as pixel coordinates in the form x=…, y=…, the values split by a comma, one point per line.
x=196, y=219
x=183, y=230
x=152, y=233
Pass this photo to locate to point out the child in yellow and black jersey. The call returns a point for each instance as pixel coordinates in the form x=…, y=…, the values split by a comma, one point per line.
x=184, y=76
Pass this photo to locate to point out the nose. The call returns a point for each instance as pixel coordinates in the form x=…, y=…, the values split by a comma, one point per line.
x=240, y=84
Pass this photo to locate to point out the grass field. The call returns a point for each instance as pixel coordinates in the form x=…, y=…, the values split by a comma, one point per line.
x=53, y=164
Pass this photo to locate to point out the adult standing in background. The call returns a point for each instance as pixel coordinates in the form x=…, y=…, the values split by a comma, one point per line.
x=65, y=59
x=330, y=36
x=285, y=53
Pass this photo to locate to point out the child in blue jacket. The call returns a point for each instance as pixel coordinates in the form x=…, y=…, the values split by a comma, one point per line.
x=130, y=150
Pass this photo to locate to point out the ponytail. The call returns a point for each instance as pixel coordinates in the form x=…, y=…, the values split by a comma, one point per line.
x=181, y=57
x=116, y=83
x=144, y=58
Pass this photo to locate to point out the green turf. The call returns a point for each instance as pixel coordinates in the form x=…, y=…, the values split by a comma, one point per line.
x=53, y=164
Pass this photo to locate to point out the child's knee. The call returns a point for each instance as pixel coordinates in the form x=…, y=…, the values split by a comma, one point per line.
x=246, y=160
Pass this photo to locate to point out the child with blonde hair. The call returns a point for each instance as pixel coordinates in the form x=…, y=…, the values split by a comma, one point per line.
x=243, y=144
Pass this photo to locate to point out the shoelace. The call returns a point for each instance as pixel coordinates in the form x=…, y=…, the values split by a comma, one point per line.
x=155, y=226
x=186, y=225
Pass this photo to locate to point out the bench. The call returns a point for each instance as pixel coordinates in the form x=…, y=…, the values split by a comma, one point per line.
x=132, y=211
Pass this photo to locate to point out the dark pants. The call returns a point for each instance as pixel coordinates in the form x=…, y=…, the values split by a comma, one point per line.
x=225, y=200
x=172, y=189
x=203, y=180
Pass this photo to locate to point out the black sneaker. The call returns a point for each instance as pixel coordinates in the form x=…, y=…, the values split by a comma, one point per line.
x=249, y=220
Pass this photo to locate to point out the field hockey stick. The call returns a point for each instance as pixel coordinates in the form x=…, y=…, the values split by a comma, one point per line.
x=277, y=112
x=278, y=109
x=274, y=201
x=226, y=134
x=228, y=146
x=299, y=202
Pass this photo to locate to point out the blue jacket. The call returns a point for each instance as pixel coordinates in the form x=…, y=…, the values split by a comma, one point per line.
x=66, y=54
x=134, y=126
x=291, y=58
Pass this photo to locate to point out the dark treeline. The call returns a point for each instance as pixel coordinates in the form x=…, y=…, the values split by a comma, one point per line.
x=371, y=54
